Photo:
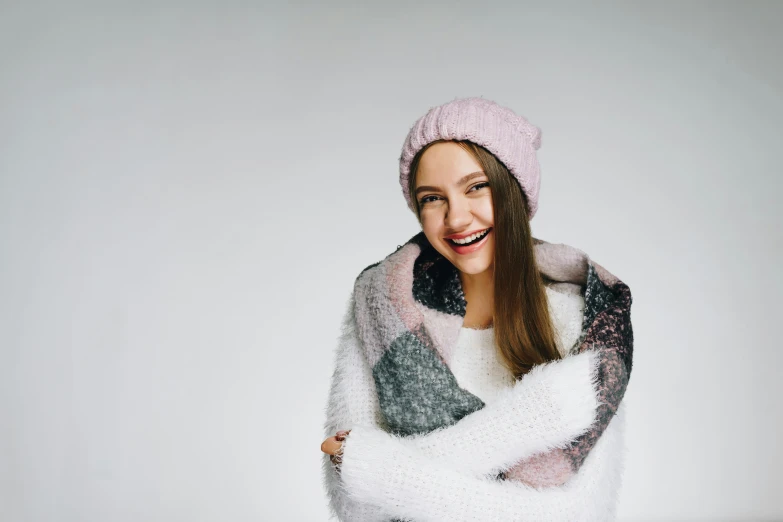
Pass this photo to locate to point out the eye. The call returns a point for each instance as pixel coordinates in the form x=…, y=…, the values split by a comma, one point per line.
x=429, y=199
x=426, y=199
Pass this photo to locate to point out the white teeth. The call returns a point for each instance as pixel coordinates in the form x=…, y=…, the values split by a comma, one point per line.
x=469, y=238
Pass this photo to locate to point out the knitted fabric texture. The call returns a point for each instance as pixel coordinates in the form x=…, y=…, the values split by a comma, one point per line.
x=408, y=311
x=447, y=474
x=477, y=363
x=386, y=479
x=504, y=133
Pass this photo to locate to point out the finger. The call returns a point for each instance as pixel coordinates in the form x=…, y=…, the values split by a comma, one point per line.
x=330, y=445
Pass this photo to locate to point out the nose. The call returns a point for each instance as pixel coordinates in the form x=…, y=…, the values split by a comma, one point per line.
x=459, y=216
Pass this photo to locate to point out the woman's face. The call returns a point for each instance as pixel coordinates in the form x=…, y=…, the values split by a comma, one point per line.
x=456, y=202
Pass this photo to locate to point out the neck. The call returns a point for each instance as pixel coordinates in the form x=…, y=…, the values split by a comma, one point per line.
x=479, y=293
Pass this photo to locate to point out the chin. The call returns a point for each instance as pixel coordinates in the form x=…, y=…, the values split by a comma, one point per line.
x=474, y=267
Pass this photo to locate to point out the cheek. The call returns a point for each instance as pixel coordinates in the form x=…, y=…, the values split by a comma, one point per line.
x=430, y=226
x=486, y=211
x=432, y=235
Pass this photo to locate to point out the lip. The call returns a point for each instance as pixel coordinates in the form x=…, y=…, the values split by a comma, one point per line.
x=462, y=250
x=463, y=236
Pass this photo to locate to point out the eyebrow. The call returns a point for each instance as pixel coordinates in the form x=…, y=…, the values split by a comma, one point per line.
x=464, y=179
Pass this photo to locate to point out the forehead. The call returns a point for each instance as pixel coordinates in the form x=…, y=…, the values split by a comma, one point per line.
x=445, y=163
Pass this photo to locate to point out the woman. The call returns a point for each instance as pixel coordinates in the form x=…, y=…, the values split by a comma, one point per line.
x=480, y=371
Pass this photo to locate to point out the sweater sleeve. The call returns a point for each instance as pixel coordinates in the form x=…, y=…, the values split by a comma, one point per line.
x=352, y=401
x=549, y=408
x=546, y=410
x=379, y=469
x=545, y=452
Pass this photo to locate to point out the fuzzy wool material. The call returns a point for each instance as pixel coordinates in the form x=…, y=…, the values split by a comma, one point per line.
x=507, y=135
x=422, y=447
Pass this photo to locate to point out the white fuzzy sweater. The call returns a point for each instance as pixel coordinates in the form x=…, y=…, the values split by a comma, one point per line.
x=448, y=474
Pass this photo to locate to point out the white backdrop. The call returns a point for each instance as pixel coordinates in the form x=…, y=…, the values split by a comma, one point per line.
x=188, y=192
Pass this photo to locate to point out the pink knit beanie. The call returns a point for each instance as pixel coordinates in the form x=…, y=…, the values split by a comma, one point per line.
x=510, y=137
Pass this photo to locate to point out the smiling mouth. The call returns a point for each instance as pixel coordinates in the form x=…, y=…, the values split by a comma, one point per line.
x=476, y=240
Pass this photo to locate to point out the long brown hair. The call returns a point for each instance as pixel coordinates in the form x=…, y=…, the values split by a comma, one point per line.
x=524, y=333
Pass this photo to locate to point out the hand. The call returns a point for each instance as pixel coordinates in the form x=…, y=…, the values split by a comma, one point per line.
x=333, y=446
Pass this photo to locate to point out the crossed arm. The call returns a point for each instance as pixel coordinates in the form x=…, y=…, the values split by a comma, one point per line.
x=445, y=474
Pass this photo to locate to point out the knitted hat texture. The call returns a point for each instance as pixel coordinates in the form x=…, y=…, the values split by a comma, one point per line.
x=510, y=137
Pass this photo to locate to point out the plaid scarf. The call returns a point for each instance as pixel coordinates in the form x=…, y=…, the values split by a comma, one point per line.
x=409, y=309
